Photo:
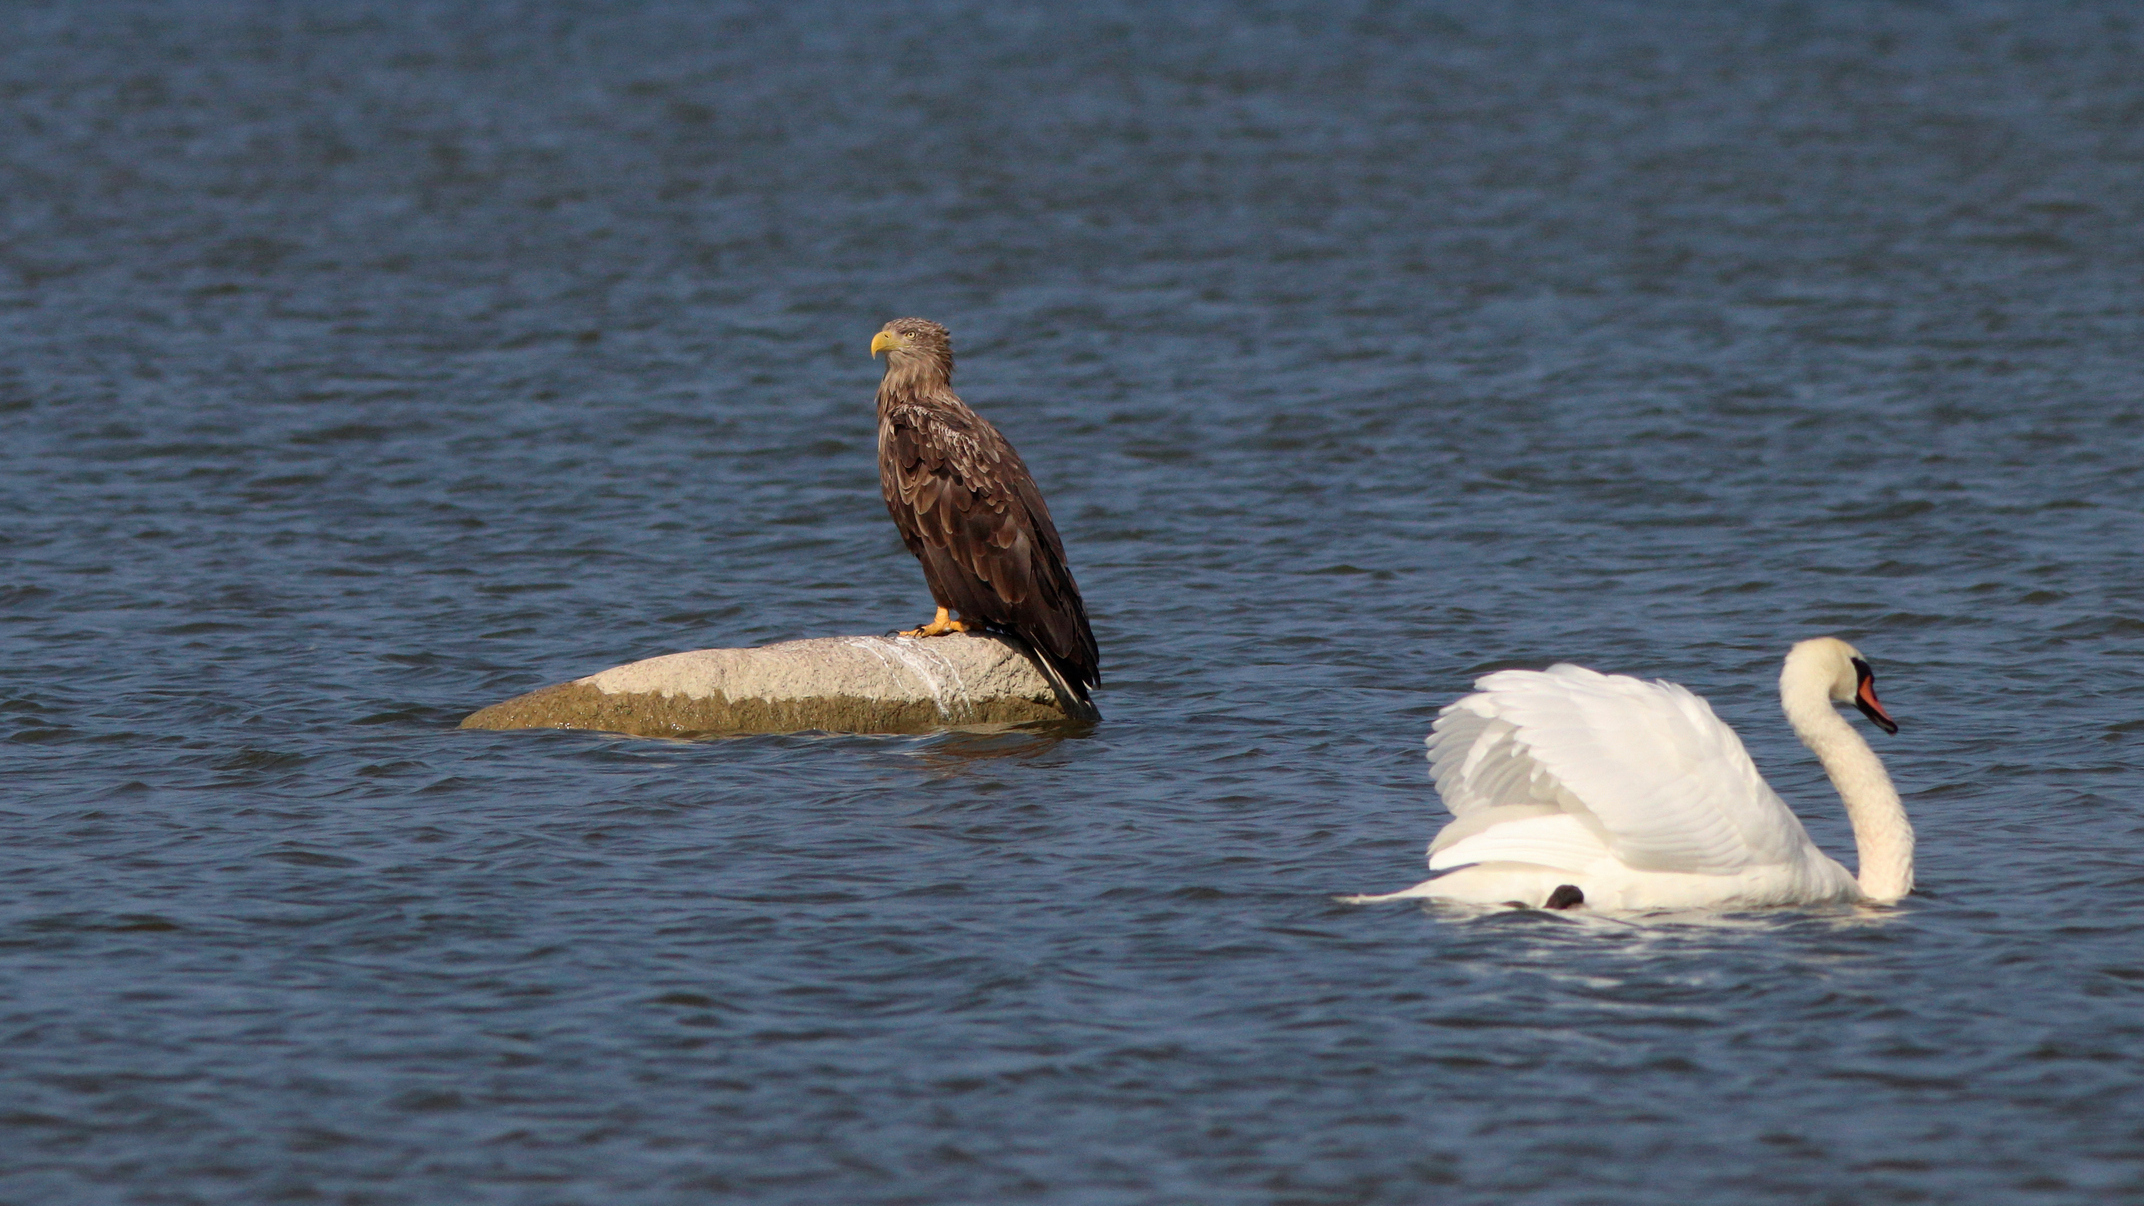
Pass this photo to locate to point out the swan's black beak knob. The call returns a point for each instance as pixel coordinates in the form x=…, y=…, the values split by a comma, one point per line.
x=1865, y=698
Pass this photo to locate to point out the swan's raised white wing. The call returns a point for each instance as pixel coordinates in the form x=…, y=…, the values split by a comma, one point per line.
x=1547, y=761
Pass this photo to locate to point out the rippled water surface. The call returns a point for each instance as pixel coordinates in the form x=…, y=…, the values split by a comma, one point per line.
x=361, y=366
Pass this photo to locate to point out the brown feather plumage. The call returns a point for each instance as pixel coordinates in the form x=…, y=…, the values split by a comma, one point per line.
x=968, y=509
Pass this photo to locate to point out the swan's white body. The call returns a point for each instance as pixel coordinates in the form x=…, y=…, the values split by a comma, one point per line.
x=1637, y=795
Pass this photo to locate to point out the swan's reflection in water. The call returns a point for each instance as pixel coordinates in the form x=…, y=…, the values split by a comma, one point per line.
x=1583, y=970
x=1837, y=916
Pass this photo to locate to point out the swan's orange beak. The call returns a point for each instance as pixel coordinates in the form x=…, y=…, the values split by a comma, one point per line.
x=1865, y=698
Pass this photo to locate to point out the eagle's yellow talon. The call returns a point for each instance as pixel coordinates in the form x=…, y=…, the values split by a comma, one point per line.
x=943, y=624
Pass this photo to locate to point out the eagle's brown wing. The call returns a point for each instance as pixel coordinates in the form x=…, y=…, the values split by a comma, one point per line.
x=968, y=509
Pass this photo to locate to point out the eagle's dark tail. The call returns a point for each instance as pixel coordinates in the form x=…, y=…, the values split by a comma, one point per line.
x=1072, y=699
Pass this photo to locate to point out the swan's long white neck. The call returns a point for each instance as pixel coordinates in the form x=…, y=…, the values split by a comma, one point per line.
x=1882, y=834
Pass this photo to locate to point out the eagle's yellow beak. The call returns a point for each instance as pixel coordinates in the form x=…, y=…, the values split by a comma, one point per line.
x=883, y=340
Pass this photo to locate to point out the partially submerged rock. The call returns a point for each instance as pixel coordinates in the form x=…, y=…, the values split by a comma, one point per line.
x=850, y=684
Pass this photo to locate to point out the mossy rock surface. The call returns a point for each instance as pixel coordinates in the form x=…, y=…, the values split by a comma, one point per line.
x=852, y=684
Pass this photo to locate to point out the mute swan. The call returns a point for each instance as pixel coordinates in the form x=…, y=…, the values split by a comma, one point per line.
x=1568, y=786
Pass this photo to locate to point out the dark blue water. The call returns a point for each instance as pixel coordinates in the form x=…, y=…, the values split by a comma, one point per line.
x=364, y=365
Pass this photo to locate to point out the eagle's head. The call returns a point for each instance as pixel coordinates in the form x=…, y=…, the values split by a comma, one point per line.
x=915, y=347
